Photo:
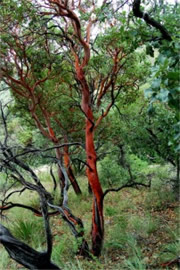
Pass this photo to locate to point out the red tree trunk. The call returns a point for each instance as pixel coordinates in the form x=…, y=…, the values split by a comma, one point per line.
x=92, y=174
x=97, y=218
x=70, y=171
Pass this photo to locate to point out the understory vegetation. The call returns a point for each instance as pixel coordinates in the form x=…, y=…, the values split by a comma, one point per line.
x=142, y=229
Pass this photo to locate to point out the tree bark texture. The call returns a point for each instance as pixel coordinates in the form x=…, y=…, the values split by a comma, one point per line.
x=92, y=174
x=24, y=254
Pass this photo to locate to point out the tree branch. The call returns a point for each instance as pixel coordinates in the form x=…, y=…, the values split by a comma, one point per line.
x=138, y=13
x=132, y=184
x=24, y=254
x=35, y=211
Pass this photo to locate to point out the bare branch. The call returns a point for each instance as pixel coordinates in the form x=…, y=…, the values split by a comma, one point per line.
x=16, y=191
x=131, y=184
x=47, y=149
x=74, y=222
x=53, y=178
x=38, y=213
x=24, y=254
x=138, y=13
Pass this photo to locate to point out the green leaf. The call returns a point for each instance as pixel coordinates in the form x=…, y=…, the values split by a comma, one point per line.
x=177, y=126
x=151, y=109
x=156, y=83
x=177, y=149
x=163, y=95
x=173, y=75
x=161, y=59
x=148, y=93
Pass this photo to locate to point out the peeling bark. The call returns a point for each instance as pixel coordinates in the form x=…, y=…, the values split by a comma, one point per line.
x=92, y=174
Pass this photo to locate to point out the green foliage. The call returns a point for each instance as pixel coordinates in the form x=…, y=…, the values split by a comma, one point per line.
x=174, y=234
x=29, y=230
x=165, y=72
x=60, y=248
x=165, y=82
x=110, y=211
x=143, y=226
x=137, y=165
x=74, y=266
x=79, y=264
x=161, y=194
x=111, y=173
x=148, y=135
x=170, y=252
x=123, y=240
x=158, y=200
x=114, y=173
x=164, y=75
x=22, y=132
x=4, y=259
x=118, y=237
x=135, y=262
x=5, y=182
x=134, y=139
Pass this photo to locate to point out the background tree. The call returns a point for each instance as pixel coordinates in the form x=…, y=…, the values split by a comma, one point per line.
x=19, y=172
x=35, y=85
x=165, y=76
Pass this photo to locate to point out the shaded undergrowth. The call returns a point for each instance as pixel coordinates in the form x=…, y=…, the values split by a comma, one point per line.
x=141, y=228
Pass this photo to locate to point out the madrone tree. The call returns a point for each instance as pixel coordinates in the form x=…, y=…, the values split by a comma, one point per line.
x=102, y=67
x=37, y=85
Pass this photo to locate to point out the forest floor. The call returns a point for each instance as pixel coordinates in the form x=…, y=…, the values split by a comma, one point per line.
x=141, y=229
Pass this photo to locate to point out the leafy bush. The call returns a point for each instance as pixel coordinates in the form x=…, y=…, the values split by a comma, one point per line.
x=137, y=164
x=112, y=173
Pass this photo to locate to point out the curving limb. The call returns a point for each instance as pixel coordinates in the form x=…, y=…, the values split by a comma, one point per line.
x=24, y=254
x=53, y=178
x=17, y=250
x=149, y=20
x=128, y=185
x=77, y=228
